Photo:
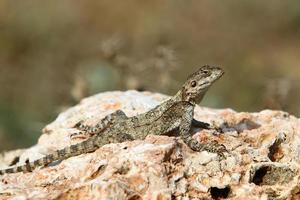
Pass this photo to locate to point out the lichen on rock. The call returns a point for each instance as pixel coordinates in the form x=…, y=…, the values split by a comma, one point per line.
x=262, y=160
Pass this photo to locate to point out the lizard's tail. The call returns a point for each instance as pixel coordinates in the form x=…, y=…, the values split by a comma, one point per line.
x=84, y=147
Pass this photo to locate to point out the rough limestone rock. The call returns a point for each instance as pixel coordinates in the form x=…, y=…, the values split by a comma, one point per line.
x=262, y=161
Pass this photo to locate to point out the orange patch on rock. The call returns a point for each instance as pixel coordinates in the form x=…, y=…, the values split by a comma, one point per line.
x=114, y=106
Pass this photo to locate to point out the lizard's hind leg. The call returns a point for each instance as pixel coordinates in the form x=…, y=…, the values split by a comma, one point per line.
x=99, y=127
x=200, y=124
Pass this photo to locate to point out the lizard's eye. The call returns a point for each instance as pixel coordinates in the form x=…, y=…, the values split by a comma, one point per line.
x=193, y=83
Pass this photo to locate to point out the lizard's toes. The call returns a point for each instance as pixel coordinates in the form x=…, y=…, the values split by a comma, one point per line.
x=77, y=135
x=217, y=148
x=216, y=129
x=78, y=124
x=221, y=149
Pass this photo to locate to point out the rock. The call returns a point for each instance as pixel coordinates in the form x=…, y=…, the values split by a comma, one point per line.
x=262, y=160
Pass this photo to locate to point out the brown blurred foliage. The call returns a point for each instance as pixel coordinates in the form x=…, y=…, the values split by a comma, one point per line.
x=53, y=53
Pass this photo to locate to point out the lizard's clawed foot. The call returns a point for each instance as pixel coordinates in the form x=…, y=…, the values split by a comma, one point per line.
x=77, y=135
x=212, y=147
x=85, y=130
x=80, y=126
x=215, y=147
x=82, y=130
x=215, y=128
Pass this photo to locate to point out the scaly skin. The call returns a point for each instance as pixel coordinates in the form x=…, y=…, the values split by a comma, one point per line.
x=176, y=112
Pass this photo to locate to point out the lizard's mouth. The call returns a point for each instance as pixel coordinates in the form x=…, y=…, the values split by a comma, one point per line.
x=219, y=75
x=205, y=84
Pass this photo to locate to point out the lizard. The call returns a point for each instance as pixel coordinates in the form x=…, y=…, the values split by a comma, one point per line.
x=174, y=113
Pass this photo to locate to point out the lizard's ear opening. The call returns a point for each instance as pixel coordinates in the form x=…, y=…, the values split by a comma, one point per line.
x=187, y=91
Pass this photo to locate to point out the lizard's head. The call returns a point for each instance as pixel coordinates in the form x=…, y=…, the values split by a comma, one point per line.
x=197, y=84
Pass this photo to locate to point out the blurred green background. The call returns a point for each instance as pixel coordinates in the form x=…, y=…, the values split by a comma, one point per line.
x=53, y=53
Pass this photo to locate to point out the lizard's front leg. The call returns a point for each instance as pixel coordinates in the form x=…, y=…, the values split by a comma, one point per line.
x=184, y=129
x=200, y=124
x=99, y=127
x=204, y=125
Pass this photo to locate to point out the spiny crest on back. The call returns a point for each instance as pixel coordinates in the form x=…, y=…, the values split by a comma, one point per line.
x=197, y=83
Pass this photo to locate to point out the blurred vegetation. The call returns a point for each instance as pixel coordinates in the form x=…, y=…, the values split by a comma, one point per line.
x=52, y=54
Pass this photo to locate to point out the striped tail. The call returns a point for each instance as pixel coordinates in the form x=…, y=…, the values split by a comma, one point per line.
x=89, y=145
